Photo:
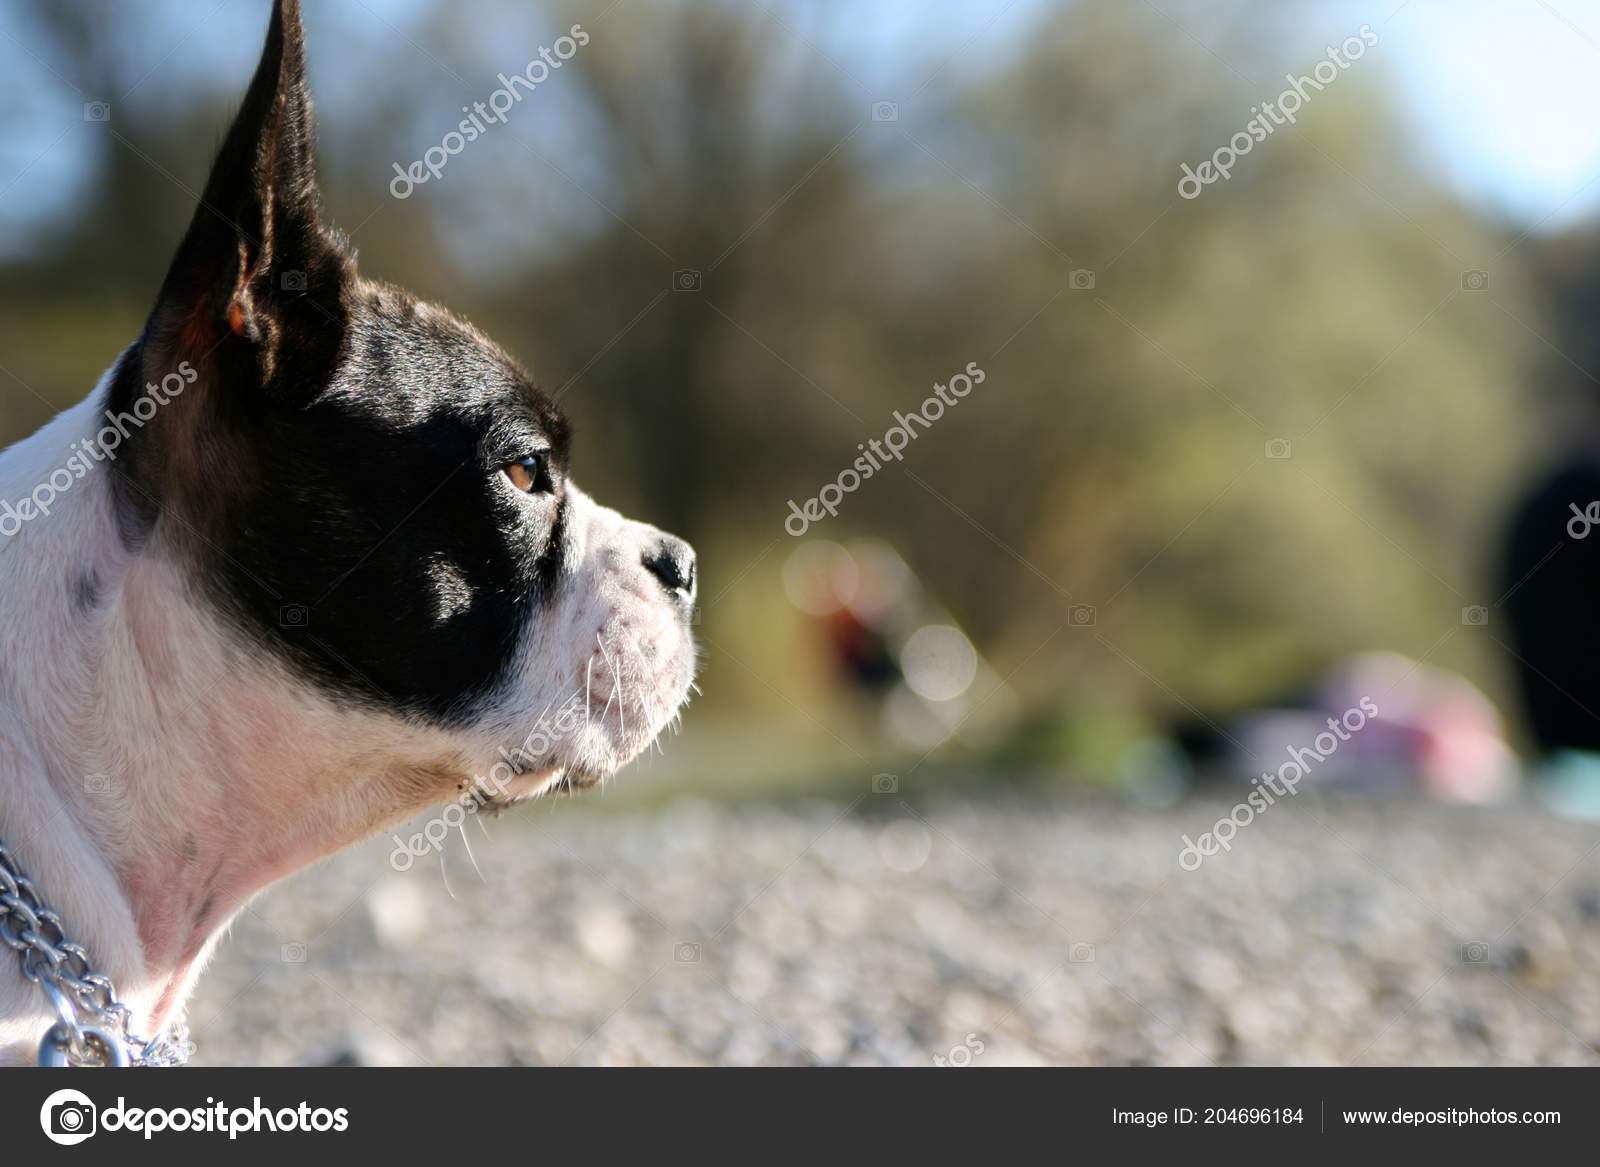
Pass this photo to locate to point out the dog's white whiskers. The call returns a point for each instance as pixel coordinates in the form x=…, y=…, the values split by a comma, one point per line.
x=588, y=684
x=616, y=686
x=647, y=699
x=445, y=875
x=548, y=706
x=473, y=859
x=622, y=708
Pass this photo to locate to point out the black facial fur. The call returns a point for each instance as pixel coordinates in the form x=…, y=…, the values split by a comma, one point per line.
x=334, y=473
x=385, y=485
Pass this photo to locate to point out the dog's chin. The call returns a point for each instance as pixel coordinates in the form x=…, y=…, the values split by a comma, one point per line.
x=553, y=781
x=590, y=753
x=575, y=726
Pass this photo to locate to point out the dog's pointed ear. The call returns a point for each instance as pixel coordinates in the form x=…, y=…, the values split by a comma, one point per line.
x=256, y=261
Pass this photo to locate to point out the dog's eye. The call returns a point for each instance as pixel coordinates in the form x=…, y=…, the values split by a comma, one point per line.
x=528, y=474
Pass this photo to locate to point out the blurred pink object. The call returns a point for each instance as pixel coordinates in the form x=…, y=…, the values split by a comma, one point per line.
x=1381, y=722
x=1434, y=723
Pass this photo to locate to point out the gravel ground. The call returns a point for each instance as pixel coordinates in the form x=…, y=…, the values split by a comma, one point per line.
x=1034, y=932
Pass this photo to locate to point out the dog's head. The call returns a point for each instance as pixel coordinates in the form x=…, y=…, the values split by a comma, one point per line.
x=374, y=494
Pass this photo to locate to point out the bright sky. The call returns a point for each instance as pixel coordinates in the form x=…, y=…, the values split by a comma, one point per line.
x=1506, y=97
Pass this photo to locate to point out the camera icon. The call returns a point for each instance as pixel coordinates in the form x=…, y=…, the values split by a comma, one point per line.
x=292, y=953
x=1475, y=615
x=1081, y=953
x=1081, y=615
x=97, y=784
x=293, y=281
x=885, y=111
x=885, y=784
x=69, y=1120
x=1080, y=279
x=1278, y=449
x=294, y=616
x=1474, y=281
x=686, y=952
x=1475, y=953
x=96, y=111
x=686, y=279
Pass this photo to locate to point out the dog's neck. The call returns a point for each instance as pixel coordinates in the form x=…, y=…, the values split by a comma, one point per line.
x=150, y=780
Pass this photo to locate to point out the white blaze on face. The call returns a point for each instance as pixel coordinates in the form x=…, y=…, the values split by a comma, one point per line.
x=449, y=590
x=613, y=645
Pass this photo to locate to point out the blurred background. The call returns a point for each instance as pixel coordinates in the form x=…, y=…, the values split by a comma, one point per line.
x=1234, y=457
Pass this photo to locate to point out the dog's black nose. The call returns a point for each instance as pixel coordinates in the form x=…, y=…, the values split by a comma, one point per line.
x=671, y=561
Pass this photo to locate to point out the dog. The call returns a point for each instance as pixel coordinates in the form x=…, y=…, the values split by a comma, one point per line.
x=307, y=562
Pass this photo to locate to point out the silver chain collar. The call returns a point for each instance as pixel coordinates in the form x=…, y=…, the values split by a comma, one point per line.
x=91, y=1026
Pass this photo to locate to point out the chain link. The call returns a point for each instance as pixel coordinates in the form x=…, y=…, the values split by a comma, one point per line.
x=92, y=1026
